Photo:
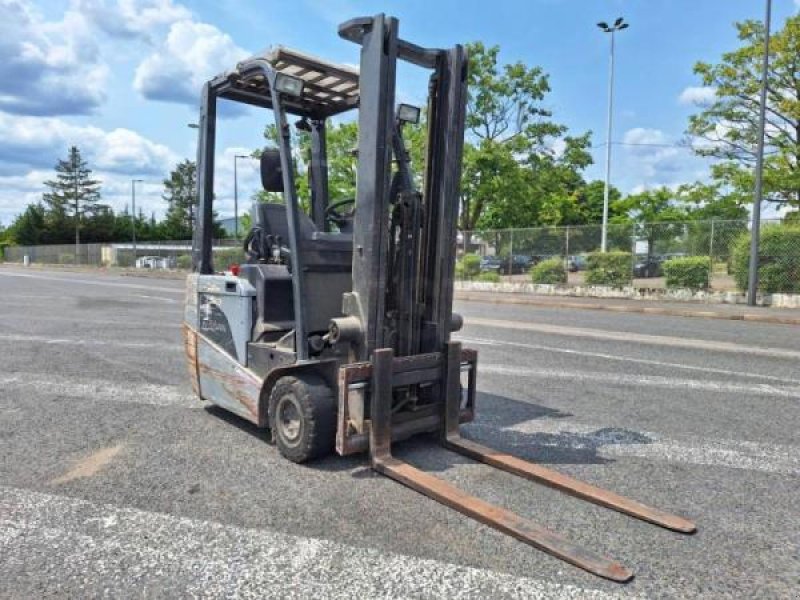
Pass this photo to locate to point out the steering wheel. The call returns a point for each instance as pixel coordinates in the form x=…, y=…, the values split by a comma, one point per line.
x=340, y=218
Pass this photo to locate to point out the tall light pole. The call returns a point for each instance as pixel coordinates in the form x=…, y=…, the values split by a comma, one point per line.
x=618, y=25
x=758, y=192
x=236, y=193
x=133, y=208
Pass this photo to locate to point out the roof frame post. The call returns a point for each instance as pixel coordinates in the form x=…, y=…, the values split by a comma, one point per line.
x=206, y=144
x=292, y=217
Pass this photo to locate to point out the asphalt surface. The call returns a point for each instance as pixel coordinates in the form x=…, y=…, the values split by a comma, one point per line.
x=115, y=481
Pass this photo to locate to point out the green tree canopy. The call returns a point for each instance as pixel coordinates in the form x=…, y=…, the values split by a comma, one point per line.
x=513, y=174
x=73, y=195
x=727, y=128
x=180, y=189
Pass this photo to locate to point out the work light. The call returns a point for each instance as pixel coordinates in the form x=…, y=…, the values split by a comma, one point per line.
x=408, y=113
x=286, y=84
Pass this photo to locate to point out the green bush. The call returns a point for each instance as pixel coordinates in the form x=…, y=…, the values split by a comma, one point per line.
x=184, y=261
x=66, y=258
x=489, y=276
x=779, y=259
x=225, y=258
x=688, y=272
x=609, y=268
x=468, y=267
x=549, y=271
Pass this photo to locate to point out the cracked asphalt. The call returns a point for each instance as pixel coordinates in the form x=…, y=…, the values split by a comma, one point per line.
x=116, y=482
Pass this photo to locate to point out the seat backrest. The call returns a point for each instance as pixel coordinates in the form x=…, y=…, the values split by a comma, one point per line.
x=272, y=219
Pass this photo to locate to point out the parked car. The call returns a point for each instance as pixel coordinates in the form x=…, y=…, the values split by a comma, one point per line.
x=155, y=262
x=492, y=264
x=576, y=263
x=647, y=266
x=519, y=263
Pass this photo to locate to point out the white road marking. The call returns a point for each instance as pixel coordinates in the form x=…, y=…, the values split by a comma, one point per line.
x=168, y=300
x=629, y=337
x=612, y=442
x=135, y=286
x=579, y=376
x=86, y=544
x=43, y=339
x=98, y=390
x=616, y=357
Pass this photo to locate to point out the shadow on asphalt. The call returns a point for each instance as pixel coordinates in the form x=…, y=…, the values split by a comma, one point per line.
x=494, y=427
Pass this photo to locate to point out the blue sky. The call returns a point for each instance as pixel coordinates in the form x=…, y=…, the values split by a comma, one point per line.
x=121, y=78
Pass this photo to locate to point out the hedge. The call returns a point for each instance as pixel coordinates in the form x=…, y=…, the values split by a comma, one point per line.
x=688, y=272
x=779, y=259
x=184, y=261
x=468, y=267
x=609, y=268
x=549, y=271
x=489, y=276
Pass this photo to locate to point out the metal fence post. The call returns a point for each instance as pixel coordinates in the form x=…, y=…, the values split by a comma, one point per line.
x=511, y=253
x=710, y=256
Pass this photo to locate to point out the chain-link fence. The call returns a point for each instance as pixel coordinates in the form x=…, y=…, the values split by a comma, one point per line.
x=175, y=254
x=698, y=254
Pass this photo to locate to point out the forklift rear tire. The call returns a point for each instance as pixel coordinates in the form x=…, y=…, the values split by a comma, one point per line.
x=302, y=417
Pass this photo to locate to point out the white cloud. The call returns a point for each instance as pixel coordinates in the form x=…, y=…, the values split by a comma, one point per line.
x=40, y=142
x=132, y=18
x=48, y=68
x=697, y=95
x=191, y=54
x=650, y=158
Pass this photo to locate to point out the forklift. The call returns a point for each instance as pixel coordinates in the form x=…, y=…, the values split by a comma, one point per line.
x=336, y=332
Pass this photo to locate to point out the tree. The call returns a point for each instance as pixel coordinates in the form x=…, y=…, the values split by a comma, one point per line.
x=658, y=214
x=511, y=165
x=180, y=190
x=73, y=195
x=29, y=228
x=727, y=128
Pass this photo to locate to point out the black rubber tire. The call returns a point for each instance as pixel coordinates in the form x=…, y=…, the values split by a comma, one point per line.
x=310, y=399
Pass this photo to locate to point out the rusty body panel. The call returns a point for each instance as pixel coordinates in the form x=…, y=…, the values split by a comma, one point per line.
x=190, y=347
x=226, y=382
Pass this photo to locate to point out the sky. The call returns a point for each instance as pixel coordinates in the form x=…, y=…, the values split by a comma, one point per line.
x=121, y=78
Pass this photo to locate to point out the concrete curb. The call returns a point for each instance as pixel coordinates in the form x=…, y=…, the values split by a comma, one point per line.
x=647, y=310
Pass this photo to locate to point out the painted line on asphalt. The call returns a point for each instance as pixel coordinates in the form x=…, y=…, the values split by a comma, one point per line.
x=615, y=357
x=98, y=390
x=68, y=543
x=135, y=286
x=615, y=442
x=629, y=337
x=577, y=376
x=43, y=339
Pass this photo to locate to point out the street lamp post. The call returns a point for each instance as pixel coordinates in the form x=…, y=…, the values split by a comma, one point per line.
x=758, y=192
x=236, y=157
x=618, y=25
x=133, y=209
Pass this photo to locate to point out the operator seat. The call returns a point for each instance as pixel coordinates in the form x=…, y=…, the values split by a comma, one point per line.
x=326, y=259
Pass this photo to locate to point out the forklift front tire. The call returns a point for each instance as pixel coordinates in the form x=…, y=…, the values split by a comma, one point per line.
x=302, y=414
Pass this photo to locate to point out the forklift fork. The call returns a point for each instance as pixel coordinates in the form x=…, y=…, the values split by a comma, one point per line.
x=489, y=514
